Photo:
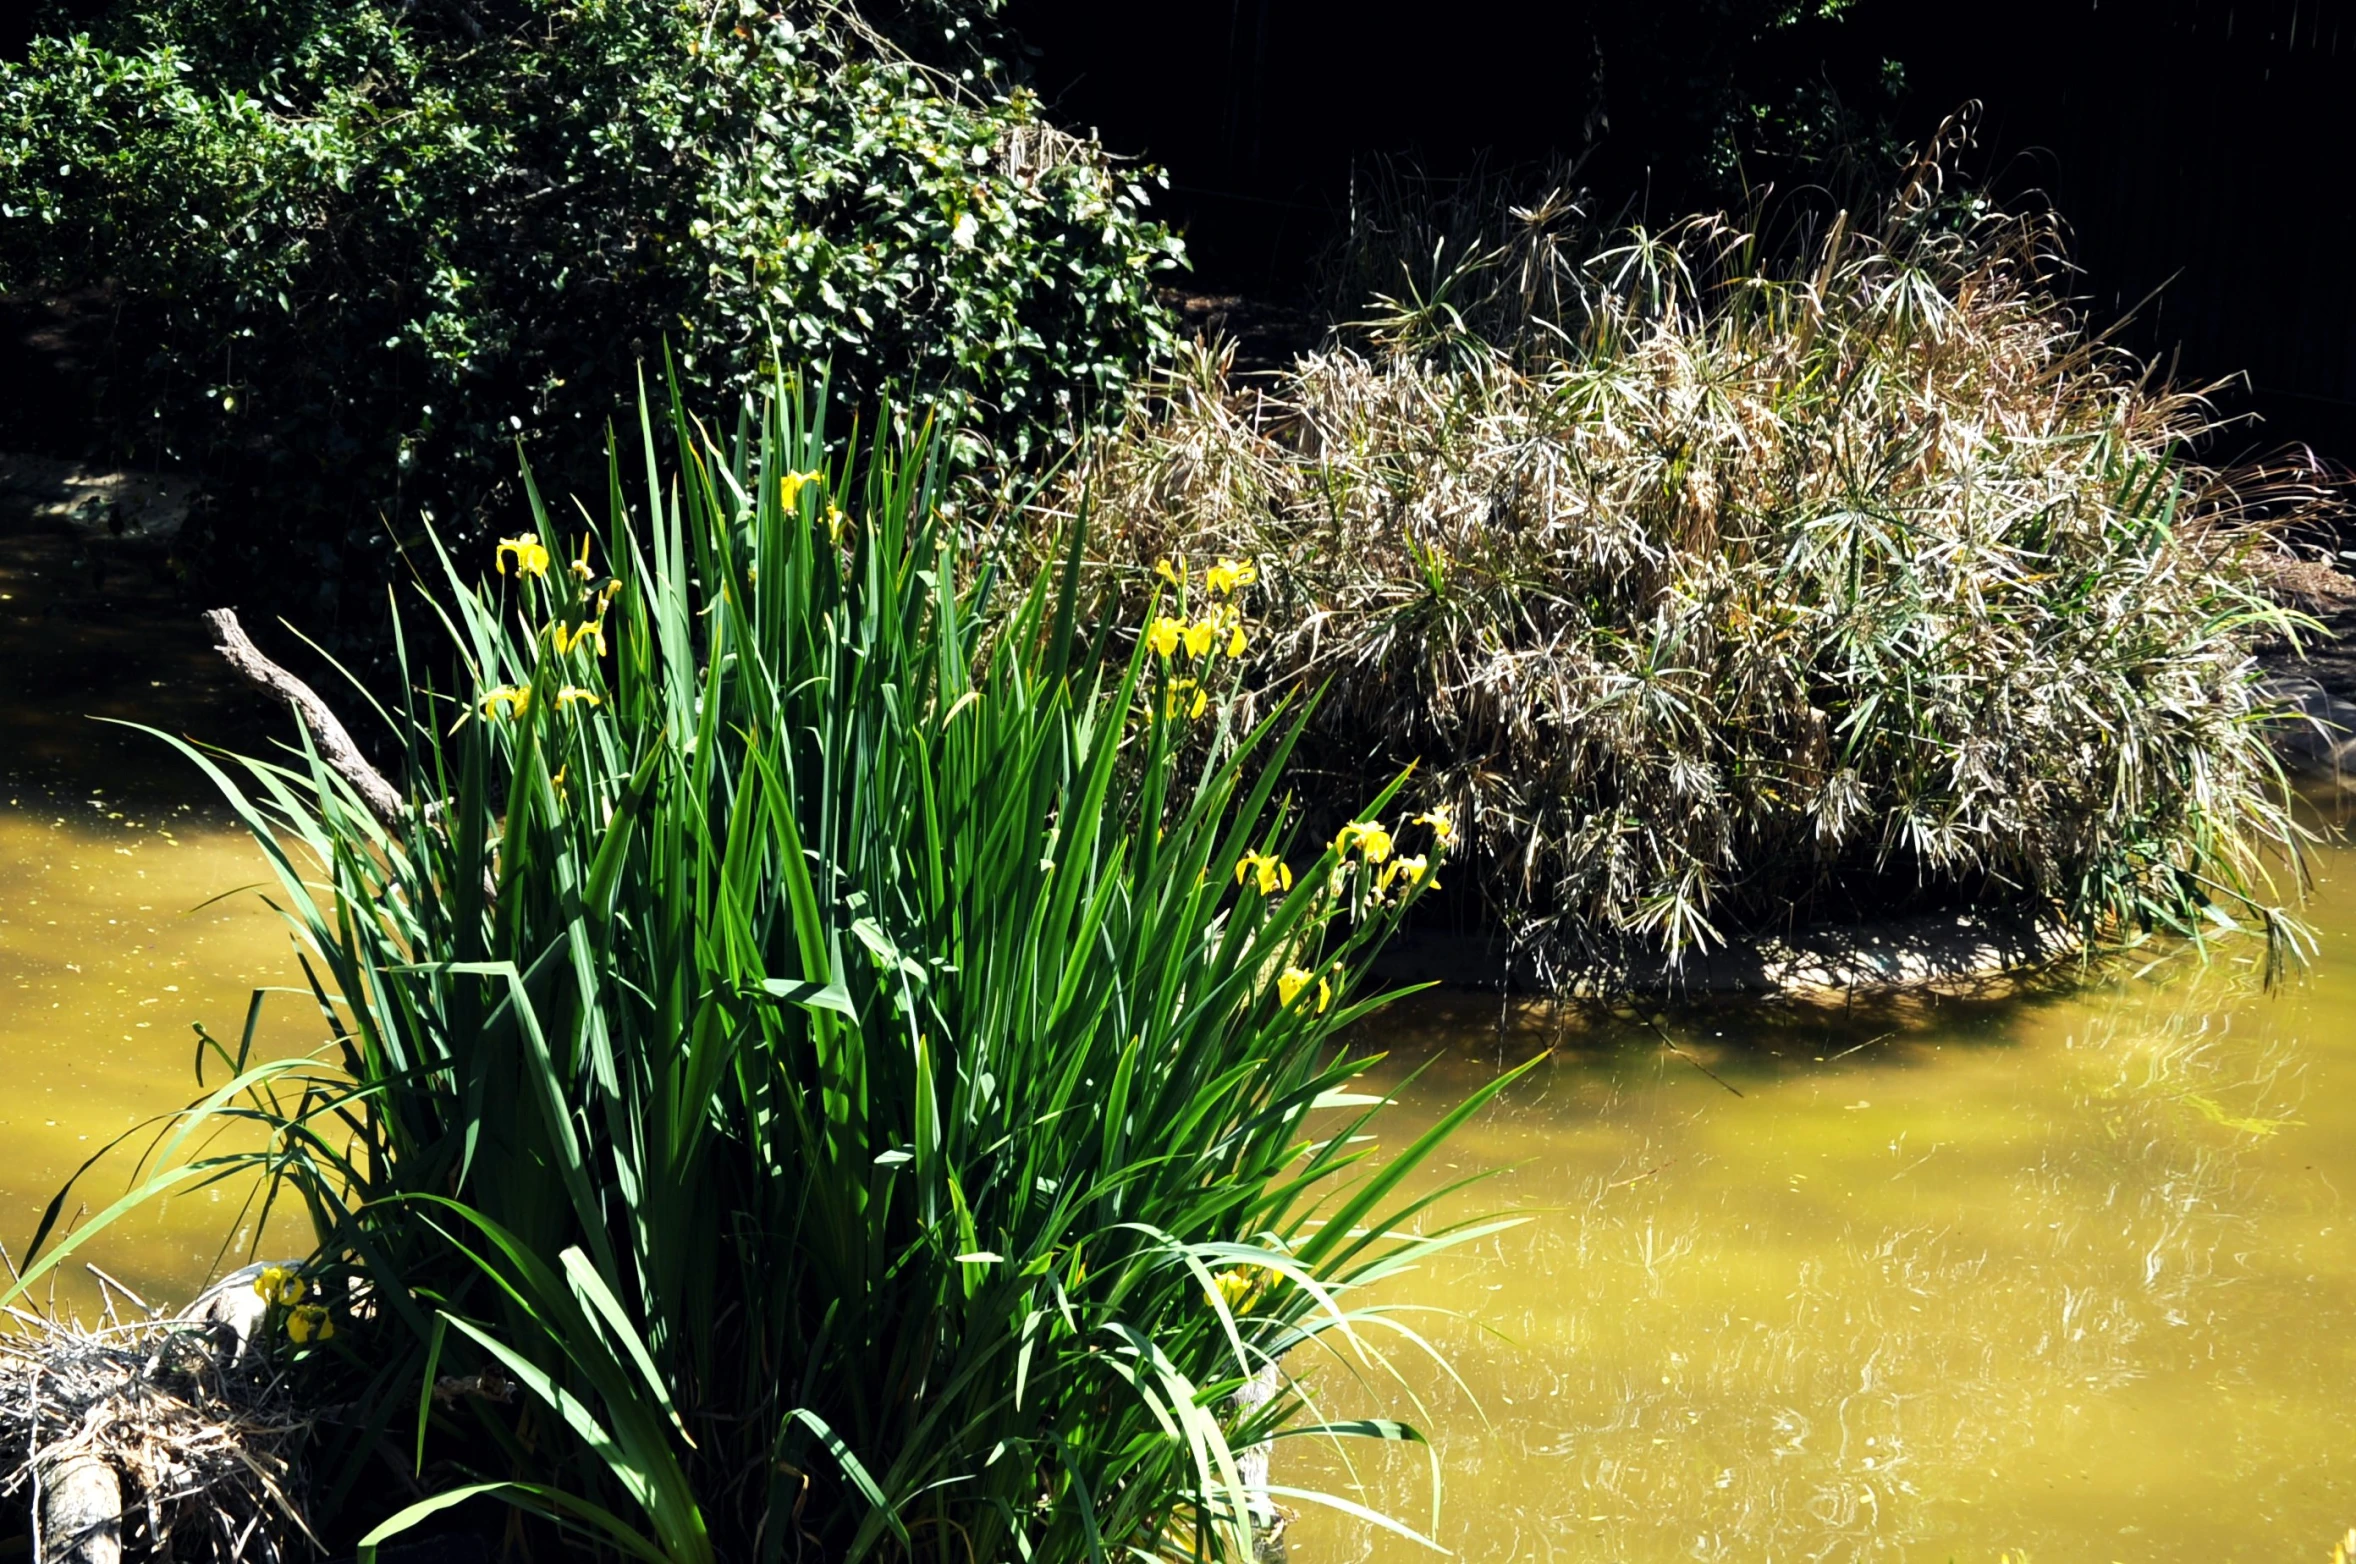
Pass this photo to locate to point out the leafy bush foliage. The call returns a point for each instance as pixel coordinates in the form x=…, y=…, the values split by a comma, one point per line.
x=1717, y=593
x=814, y=1032
x=368, y=246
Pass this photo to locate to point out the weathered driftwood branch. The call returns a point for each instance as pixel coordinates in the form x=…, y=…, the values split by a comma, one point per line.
x=343, y=756
x=81, y=1514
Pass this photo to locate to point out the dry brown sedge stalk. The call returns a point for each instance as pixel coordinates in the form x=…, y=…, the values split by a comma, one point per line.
x=1733, y=594
x=202, y=1433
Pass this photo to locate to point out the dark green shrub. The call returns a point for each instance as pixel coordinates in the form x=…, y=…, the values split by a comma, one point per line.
x=363, y=248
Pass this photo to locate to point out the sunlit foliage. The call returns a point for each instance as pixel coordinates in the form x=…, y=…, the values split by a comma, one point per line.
x=1721, y=584
x=831, y=1041
x=357, y=250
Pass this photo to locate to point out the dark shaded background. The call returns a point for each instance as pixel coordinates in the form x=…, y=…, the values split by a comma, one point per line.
x=2202, y=149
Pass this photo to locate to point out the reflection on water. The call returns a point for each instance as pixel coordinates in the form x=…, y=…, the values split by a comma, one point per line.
x=2071, y=1277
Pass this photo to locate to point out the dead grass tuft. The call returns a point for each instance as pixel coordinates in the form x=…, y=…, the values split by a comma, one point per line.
x=200, y=1431
x=1719, y=593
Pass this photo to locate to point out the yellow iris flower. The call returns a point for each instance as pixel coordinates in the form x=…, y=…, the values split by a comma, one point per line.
x=280, y=1284
x=791, y=485
x=1415, y=866
x=1442, y=820
x=531, y=559
x=1164, y=635
x=1293, y=979
x=567, y=640
x=1199, y=637
x=1229, y=574
x=1272, y=872
x=1239, y=1285
x=309, y=1323
x=573, y=692
x=1368, y=836
x=509, y=699
x=1235, y=639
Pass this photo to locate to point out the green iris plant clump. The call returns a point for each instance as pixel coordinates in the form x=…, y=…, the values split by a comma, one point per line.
x=822, y=1029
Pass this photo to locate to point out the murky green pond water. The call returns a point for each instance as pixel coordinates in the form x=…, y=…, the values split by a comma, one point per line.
x=2070, y=1277
x=2073, y=1277
x=110, y=852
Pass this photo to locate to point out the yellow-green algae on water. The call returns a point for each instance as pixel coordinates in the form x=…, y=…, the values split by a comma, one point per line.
x=112, y=848
x=2070, y=1277
x=108, y=954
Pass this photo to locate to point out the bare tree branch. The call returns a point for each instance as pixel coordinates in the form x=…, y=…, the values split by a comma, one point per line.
x=327, y=730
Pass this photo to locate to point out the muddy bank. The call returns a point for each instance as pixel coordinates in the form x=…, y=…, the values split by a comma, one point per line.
x=1950, y=953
